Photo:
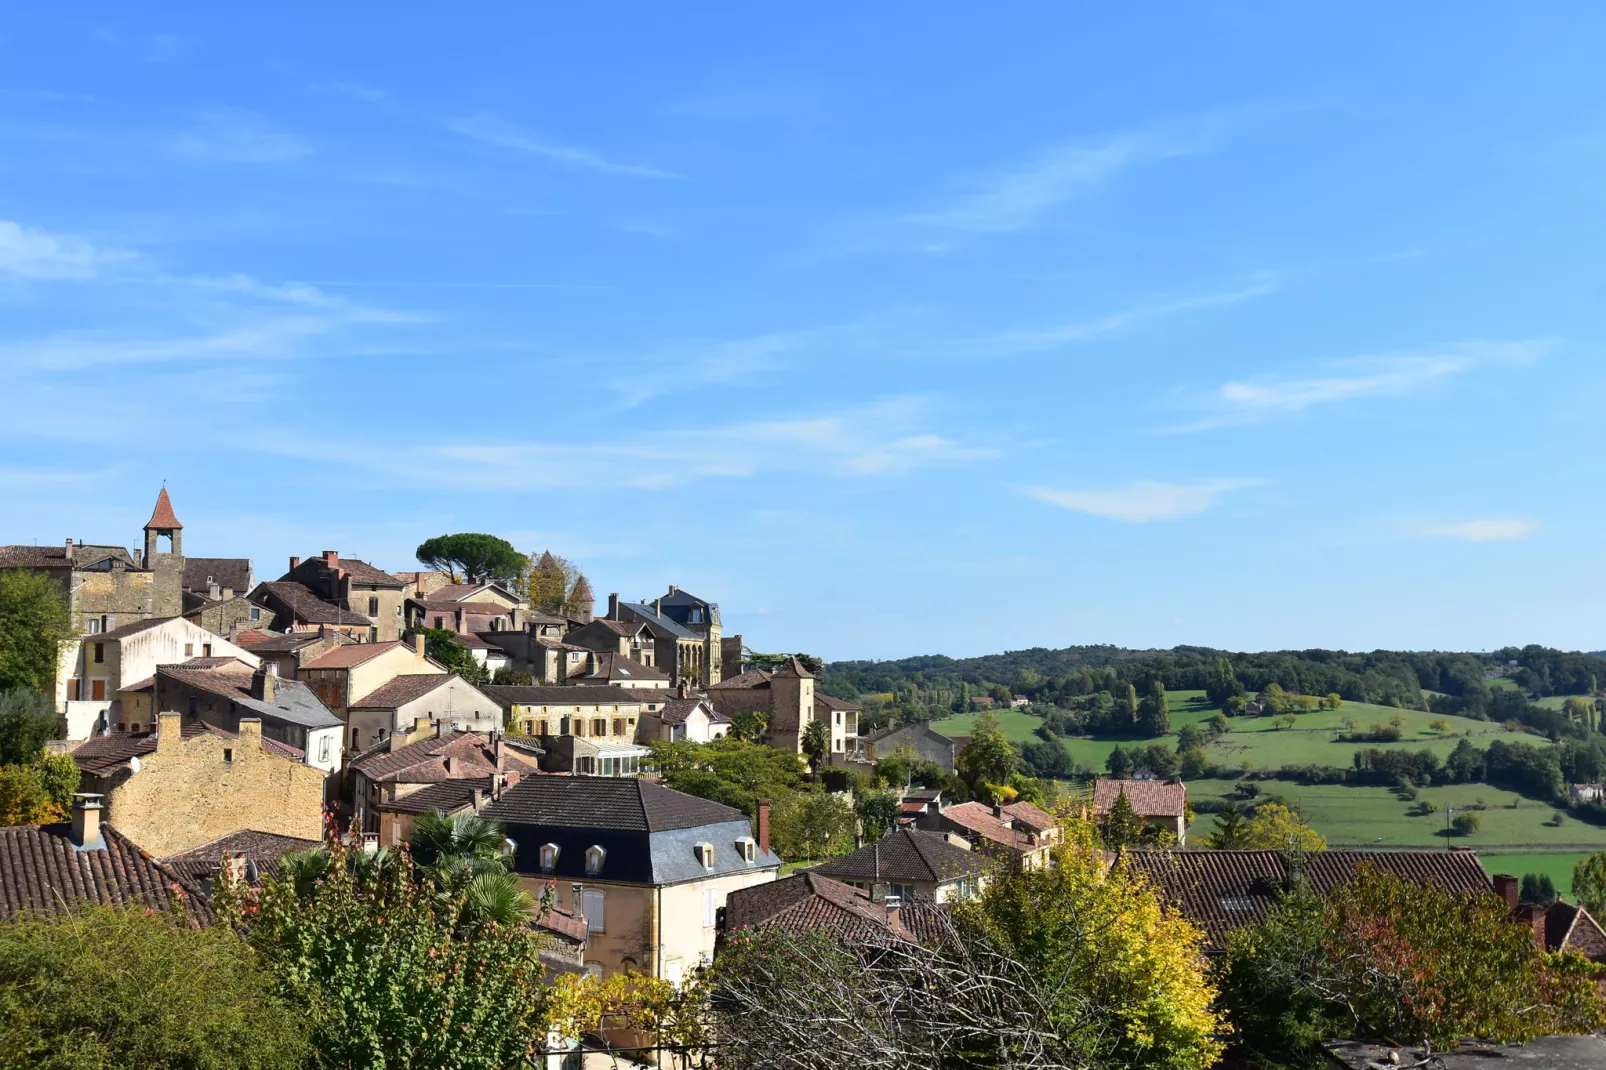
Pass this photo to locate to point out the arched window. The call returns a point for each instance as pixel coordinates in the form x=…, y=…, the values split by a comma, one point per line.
x=595, y=857
x=549, y=857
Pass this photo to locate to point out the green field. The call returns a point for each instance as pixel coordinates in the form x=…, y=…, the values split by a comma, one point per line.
x=1559, y=866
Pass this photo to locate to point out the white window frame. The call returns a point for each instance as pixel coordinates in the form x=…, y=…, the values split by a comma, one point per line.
x=596, y=858
x=747, y=847
x=548, y=857
x=594, y=905
x=705, y=855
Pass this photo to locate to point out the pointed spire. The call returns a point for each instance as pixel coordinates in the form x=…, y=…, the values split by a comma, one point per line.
x=793, y=667
x=162, y=518
x=546, y=562
x=582, y=591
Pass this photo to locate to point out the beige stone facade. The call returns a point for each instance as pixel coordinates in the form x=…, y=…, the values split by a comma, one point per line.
x=193, y=791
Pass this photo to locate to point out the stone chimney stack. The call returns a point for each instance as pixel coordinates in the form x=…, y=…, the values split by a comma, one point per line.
x=214, y=591
x=673, y=590
x=264, y=685
x=1535, y=918
x=169, y=732
x=764, y=826
x=86, y=834
x=418, y=643
x=1507, y=887
x=69, y=551
x=613, y=603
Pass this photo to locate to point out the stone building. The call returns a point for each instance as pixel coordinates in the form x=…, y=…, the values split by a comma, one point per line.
x=917, y=737
x=647, y=867
x=215, y=594
x=788, y=698
x=393, y=783
x=106, y=585
x=355, y=586
x=413, y=706
x=342, y=675
x=110, y=670
x=588, y=731
x=295, y=608
x=220, y=692
x=173, y=790
x=468, y=609
x=686, y=633
x=1163, y=803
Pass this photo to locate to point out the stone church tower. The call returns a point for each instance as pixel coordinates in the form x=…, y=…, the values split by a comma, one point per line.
x=167, y=598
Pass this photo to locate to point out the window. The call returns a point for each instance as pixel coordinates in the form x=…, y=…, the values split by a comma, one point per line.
x=440, y=622
x=595, y=857
x=902, y=892
x=595, y=911
x=618, y=726
x=545, y=728
x=549, y=857
x=574, y=656
x=189, y=650
x=93, y=626
x=323, y=749
x=599, y=726
x=206, y=650
x=673, y=971
x=256, y=612
x=108, y=621
x=100, y=652
x=594, y=970
x=747, y=848
x=228, y=754
x=710, y=907
x=97, y=690
x=373, y=605
x=705, y=855
x=72, y=689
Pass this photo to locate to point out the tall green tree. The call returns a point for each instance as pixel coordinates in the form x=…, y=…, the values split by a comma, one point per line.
x=110, y=987
x=34, y=625
x=475, y=557
x=1119, y=764
x=1122, y=826
x=811, y=825
x=989, y=758
x=27, y=721
x=1589, y=883
x=877, y=812
x=816, y=744
x=1154, y=714
x=442, y=645
x=1231, y=834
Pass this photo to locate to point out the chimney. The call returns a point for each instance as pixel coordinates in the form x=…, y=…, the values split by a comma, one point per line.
x=69, y=551
x=613, y=604
x=685, y=692
x=295, y=563
x=214, y=592
x=658, y=606
x=998, y=811
x=264, y=685
x=169, y=732
x=418, y=643
x=86, y=835
x=763, y=826
x=1535, y=917
x=673, y=590
x=139, y=557
x=234, y=868
x=228, y=593
x=1506, y=887
x=331, y=558
x=250, y=738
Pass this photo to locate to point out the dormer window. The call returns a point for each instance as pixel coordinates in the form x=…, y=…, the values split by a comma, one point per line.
x=747, y=848
x=595, y=857
x=705, y=855
x=549, y=857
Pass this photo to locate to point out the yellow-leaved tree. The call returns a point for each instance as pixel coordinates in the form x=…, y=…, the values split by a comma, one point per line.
x=1132, y=985
x=1275, y=827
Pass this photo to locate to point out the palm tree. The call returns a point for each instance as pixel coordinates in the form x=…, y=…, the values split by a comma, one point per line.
x=304, y=869
x=465, y=855
x=497, y=897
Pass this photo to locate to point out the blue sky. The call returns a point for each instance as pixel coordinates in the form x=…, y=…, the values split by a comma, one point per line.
x=896, y=328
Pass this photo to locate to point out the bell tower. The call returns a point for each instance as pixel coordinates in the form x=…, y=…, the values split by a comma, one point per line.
x=167, y=598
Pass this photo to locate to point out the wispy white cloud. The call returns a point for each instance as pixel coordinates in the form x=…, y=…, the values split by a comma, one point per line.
x=1250, y=401
x=1016, y=198
x=1143, y=503
x=492, y=130
x=1118, y=322
x=882, y=439
x=1490, y=530
x=37, y=254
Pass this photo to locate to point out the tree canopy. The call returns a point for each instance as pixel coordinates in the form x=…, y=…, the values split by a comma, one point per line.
x=476, y=557
x=34, y=623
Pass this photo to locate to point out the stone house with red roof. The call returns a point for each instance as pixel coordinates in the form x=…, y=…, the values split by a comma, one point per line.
x=1021, y=834
x=412, y=706
x=451, y=771
x=1162, y=803
x=356, y=587
x=788, y=697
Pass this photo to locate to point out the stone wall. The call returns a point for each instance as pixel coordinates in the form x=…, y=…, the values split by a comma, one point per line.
x=193, y=791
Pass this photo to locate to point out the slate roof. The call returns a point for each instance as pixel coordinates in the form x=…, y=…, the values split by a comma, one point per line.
x=622, y=803
x=626, y=628
x=263, y=641
x=657, y=622
x=293, y=701
x=307, y=606
x=201, y=572
x=345, y=657
x=263, y=850
x=1149, y=798
x=41, y=872
x=620, y=667
x=907, y=855
x=162, y=516
x=676, y=710
x=401, y=690
x=447, y=796
x=509, y=695
x=810, y=901
x=1222, y=890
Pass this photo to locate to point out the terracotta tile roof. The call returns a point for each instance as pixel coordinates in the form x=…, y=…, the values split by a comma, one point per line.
x=1222, y=890
x=345, y=657
x=305, y=605
x=232, y=572
x=907, y=855
x=676, y=710
x=810, y=901
x=626, y=628
x=1572, y=928
x=360, y=571
x=914, y=807
x=470, y=609
x=33, y=557
x=979, y=818
x=254, y=637
x=400, y=690
x=162, y=516
x=620, y=667
x=621, y=803
x=792, y=668
x=1149, y=798
x=263, y=850
x=564, y=924
x=140, y=685
x=107, y=753
x=41, y=872
x=749, y=679
x=424, y=762
x=288, y=642
x=1030, y=816
x=447, y=796
x=831, y=702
